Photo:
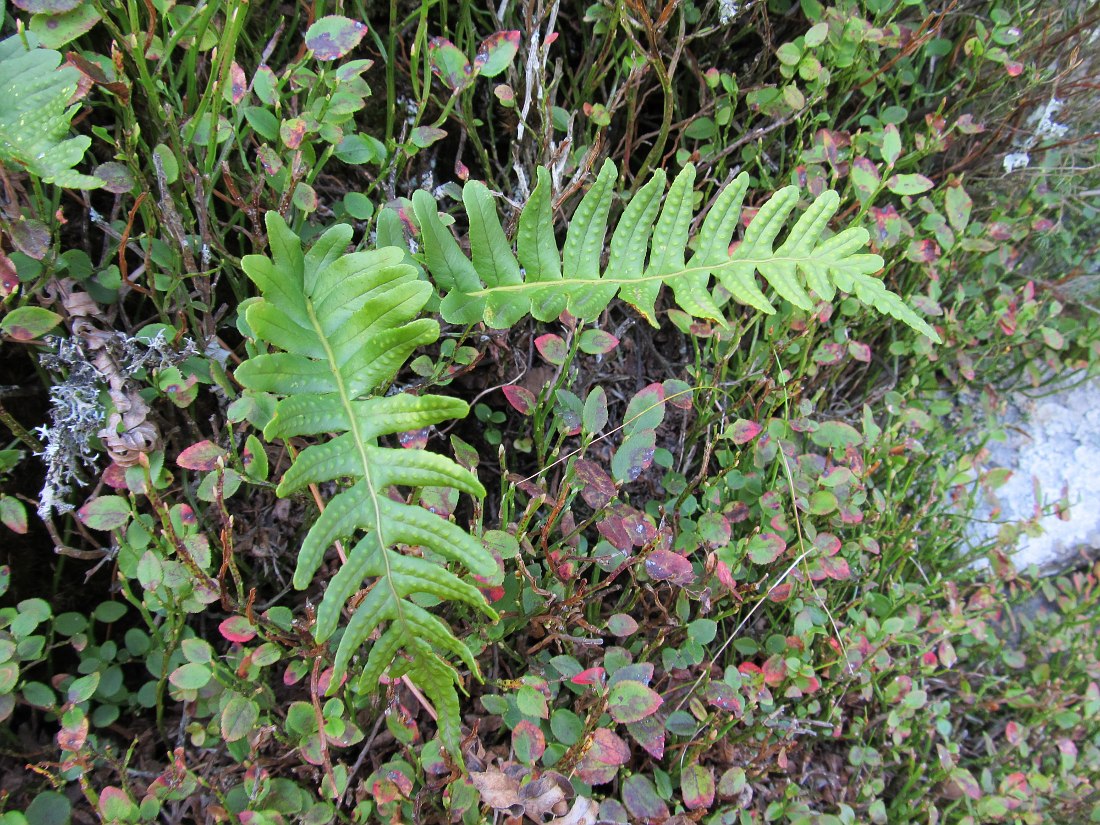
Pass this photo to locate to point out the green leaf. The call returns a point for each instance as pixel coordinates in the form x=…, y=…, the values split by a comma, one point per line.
x=105, y=513
x=496, y=53
x=334, y=36
x=344, y=324
x=449, y=63
x=55, y=30
x=28, y=323
x=238, y=717
x=909, y=184
x=35, y=115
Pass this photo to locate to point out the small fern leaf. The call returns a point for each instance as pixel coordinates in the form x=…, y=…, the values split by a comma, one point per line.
x=538, y=252
x=344, y=325
x=629, y=244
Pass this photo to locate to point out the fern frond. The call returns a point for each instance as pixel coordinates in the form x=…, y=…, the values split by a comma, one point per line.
x=35, y=115
x=649, y=248
x=344, y=325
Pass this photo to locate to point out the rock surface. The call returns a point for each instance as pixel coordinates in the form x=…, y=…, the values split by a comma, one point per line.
x=1053, y=492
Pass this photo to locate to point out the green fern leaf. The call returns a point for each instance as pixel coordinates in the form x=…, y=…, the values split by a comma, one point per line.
x=648, y=249
x=344, y=325
x=35, y=115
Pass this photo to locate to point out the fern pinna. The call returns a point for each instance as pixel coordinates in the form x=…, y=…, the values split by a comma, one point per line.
x=345, y=324
x=648, y=249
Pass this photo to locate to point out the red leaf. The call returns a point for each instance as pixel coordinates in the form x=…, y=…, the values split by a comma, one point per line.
x=237, y=629
x=775, y=671
x=742, y=431
x=552, y=348
x=664, y=565
x=523, y=400
x=202, y=456
x=591, y=676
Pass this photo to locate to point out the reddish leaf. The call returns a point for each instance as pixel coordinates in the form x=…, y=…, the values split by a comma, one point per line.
x=528, y=741
x=202, y=456
x=642, y=802
x=552, y=348
x=414, y=439
x=606, y=754
x=836, y=568
x=237, y=629
x=650, y=734
x=664, y=565
x=764, y=548
x=291, y=131
x=105, y=513
x=780, y=593
x=679, y=394
x=591, y=676
x=522, y=399
x=631, y=701
x=424, y=136
x=334, y=36
x=13, y=514
x=742, y=431
x=697, y=787
x=775, y=671
x=721, y=695
x=496, y=53
x=449, y=63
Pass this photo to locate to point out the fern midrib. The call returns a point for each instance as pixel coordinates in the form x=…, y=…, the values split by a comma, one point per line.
x=360, y=446
x=687, y=270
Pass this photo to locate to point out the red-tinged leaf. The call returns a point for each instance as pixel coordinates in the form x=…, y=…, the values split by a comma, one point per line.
x=826, y=543
x=597, y=488
x=295, y=672
x=775, y=671
x=947, y=654
x=597, y=342
x=1013, y=734
x=725, y=576
x=105, y=513
x=650, y=734
x=72, y=737
x=594, y=413
x=957, y=205
x=923, y=252
x=631, y=701
x=521, y=399
x=967, y=126
x=645, y=411
x=679, y=394
x=612, y=529
x=291, y=132
x=333, y=37
x=638, y=526
x=722, y=696
x=1013, y=68
x=622, y=625
x=865, y=178
x=780, y=593
x=202, y=456
x=965, y=782
x=237, y=629
x=591, y=676
x=634, y=456
x=909, y=184
x=496, y=53
x=424, y=136
x=859, y=351
x=552, y=348
x=9, y=277
x=449, y=64
x=605, y=755
x=664, y=565
x=697, y=787
x=28, y=323
x=714, y=530
x=31, y=237
x=13, y=514
x=528, y=741
x=238, y=83
x=836, y=568
x=742, y=431
x=764, y=548
x=642, y=802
